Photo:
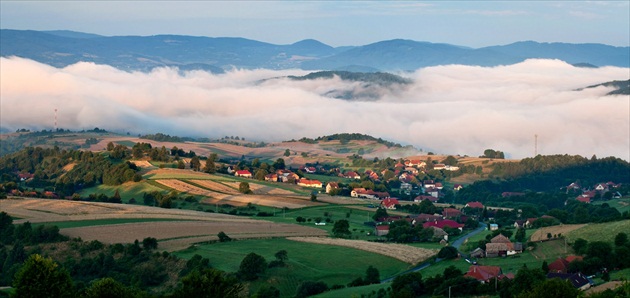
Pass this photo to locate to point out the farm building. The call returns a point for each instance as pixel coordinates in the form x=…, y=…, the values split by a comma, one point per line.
x=382, y=230
x=243, y=173
x=309, y=183
x=485, y=274
x=331, y=185
x=561, y=265
x=502, y=246
x=477, y=253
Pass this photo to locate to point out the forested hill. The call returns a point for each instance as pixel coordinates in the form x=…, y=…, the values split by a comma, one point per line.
x=623, y=87
x=344, y=138
x=548, y=174
x=380, y=78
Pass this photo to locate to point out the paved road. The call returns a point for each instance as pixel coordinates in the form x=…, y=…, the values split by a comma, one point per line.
x=457, y=243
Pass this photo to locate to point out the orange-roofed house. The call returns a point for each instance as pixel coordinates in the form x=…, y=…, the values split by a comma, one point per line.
x=309, y=183
x=390, y=203
x=474, y=205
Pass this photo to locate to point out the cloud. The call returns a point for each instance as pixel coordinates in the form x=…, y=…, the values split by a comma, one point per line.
x=450, y=109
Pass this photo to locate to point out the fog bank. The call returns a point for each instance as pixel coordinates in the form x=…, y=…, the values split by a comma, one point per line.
x=450, y=109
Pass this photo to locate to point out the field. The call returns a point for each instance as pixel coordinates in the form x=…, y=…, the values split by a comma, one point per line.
x=622, y=204
x=545, y=251
x=542, y=233
x=127, y=190
x=405, y=253
x=184, y=228
x=600, y=232
x=307, y=261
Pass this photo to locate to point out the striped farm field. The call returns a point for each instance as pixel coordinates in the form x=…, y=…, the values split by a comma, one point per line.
x=168, y=173
x=216, y=186
x=187, y=188
x=262, y=200
x=405, y=253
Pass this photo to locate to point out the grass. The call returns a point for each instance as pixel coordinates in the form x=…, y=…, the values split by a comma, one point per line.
x=545, y=251
x=354, y=291
x=126, y=191
x=307, y=262
x=126, y=143
x=622, y=204
x=101, y=222
x=600, y=231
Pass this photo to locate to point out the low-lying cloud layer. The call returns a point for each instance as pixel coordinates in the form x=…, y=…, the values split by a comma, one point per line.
x=450, y=109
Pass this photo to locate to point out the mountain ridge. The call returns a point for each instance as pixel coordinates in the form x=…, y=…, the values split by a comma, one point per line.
x=61, y=48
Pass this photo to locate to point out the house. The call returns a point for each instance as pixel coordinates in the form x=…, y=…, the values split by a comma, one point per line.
x=450, y=168
x=443, y=223
x=601, y=187
x=415, y=163
x=561, y=265
x=439, y=166
x=287, y=176
x=439, y=185
x=382, y=230
x=499, y=246
x=478, y=253
x=439, y=233
x=351, y=175
x=25, y=176
x=243, y=173
x=428, y=184
x=412, y=171
x=399, y=165
x=368, y=194
x=484, y=274
x=474, y=205
x=405, y=177
x=530, y=222
x=309, y=183
x=406, y=187
x=372, y=175
x=451, y=213
x=421, y=198
x=457, y=187
x=494, y=227
x=310, y=170
x=583, y=199
x=331, y=185
x=390, y=203
x=427, y=217
x=578, y=280
x=574, y=186
x=432, y=192
x=230, y=170
x=271, y=177
x=519, y=224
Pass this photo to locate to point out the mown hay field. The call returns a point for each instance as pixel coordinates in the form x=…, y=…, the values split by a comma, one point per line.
x=541, y=234
x=405, y=253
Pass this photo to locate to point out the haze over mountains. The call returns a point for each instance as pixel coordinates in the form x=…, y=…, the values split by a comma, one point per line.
x=63, y=48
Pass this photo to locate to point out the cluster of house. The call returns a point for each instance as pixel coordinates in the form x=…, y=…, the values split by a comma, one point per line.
x=599, y=189
x=557, y=269
x=285, y=176
x=499, y=246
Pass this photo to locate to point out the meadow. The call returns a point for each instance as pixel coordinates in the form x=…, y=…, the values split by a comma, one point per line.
x=600, y=231
x=307, y=262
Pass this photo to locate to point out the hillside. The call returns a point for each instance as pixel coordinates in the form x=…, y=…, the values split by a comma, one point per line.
x=622, y=87
x=62, y=48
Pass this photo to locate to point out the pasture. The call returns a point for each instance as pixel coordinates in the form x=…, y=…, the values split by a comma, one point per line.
x=307, y=261
x=600, y=231
x=622, y=204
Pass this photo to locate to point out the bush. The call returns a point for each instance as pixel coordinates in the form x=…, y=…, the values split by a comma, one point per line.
x=448, y=252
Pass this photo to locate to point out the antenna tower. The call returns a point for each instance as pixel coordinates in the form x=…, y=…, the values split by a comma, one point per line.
x=535, y=145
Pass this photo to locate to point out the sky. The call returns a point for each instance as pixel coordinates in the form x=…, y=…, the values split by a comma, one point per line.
x=337, y=23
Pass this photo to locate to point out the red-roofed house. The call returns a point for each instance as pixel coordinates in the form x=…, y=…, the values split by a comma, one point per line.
x=427, y=217
x=271, y=177
x=382, y=230
x=443, y=223
x=310, y=170
x=457, y=187
x=561, y=265
x=474, y=205
x=451, y=213
x=583, y=200
x=421, y=198
x=243, y=173
x=351, y=175
x=484, y=274
x=428, y=184
x=331, y=185
x=309, y=183
x=390, y=203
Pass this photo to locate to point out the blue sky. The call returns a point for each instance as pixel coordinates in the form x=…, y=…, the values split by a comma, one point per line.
x=337, y=23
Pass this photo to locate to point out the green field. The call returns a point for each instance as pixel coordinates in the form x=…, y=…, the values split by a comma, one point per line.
x=101, y=222
x=622, y=204
x=545, y=251
x=307, y=261
x=354, y=291
x=127, y=191
x=601, y=231
x=126, y=143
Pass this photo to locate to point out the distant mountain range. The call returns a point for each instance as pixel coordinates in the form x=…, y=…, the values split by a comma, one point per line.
x=62, y=48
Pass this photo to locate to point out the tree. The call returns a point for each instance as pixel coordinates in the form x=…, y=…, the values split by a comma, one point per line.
x=210, y=167
x=552, y=288
x=448, y=252
x=149, y=243
x=310, y=288
x=251, y=266
x=208, y=283
x=380, y=213
x=287, y=152
x=408, y=284
x=527, y=279
x=279, y=164
x=579, y=246
x=180, y=164
x=621, y=239
x=223, y=237
x=520, y=235
x=243, y=187
x=341, y=229
x=267, y=292
x=42, y=277
x=372, y=276
x=260, y=174
x=106, y=288
x=450, y=161
x=282, y=255
x=195, y=163
x=545, y=267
